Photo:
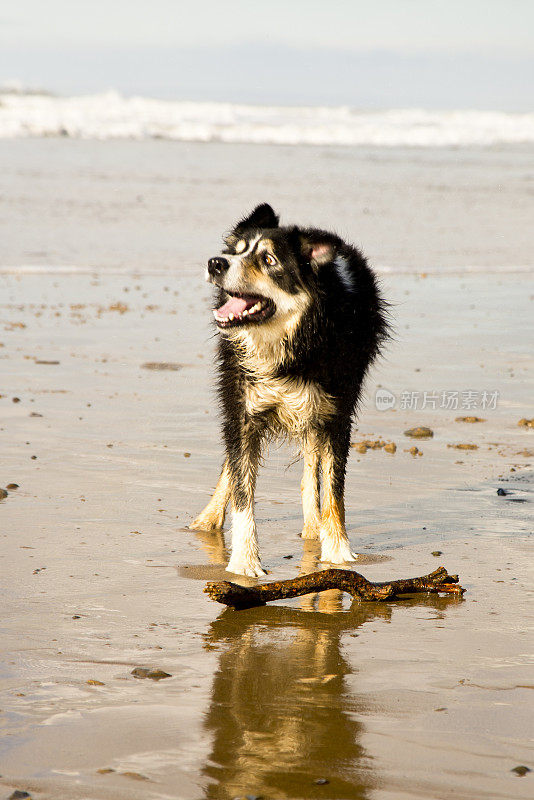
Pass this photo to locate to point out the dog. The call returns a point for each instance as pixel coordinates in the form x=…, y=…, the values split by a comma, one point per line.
x=300, y=320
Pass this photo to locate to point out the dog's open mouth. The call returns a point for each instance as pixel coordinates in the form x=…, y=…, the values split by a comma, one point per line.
x=242, y=309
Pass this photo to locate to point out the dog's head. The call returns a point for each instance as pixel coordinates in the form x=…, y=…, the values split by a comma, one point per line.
x=267, y=273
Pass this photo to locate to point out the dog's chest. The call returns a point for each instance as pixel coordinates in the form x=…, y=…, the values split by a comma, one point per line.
x=293, y=403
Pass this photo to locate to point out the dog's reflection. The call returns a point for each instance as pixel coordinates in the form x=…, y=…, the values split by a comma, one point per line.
x=281, y=713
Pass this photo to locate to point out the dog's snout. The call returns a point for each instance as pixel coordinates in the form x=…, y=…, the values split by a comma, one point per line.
x=218, y=265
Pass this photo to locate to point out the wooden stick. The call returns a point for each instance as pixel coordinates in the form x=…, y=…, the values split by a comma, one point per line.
x=231, y=594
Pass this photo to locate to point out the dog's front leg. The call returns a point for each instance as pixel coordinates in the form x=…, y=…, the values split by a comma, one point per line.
x=309, y=486
x=335, y=545
x=212, y=517
x=243, y=460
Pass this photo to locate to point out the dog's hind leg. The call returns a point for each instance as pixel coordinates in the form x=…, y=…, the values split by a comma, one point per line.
x=309, y=487
x=212, y=517
x=335, y=545
x=243, y=460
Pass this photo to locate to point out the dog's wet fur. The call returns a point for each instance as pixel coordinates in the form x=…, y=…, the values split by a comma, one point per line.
x=300, y=321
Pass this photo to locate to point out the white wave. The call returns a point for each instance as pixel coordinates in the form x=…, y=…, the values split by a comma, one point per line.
x=112, y=116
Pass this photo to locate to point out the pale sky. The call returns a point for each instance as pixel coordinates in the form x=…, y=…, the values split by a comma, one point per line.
x=438, y=53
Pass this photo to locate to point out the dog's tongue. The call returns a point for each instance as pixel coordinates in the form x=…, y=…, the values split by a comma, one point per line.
x=235, y=306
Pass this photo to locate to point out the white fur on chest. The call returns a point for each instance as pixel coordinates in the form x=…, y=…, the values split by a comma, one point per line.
x=295, y=403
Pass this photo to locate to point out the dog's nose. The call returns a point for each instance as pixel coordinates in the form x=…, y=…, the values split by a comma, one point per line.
x=218, y=265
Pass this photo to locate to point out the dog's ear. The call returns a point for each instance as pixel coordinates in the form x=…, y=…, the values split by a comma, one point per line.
x=318, y=247
x=263, y=216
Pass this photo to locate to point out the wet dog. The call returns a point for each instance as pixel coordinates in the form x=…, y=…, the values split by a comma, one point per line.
x=300, y=319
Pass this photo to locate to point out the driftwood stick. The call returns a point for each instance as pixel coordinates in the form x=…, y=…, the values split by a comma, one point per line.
x=231, y=594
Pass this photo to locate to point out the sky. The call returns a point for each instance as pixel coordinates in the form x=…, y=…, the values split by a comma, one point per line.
x=369, y=54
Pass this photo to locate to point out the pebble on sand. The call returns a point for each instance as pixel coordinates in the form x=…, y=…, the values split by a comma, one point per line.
x=464, y=446
x=414, y=451
x=420, y=432
x=521, y=770
x=3, y=494
x=374, y=444
x=12, y=486
x=470, y=419
x=524, y=422
x=153, y=674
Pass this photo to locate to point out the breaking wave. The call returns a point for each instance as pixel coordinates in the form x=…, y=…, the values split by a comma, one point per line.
x=113, y=116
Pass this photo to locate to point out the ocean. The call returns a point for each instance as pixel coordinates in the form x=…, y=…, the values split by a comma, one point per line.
x=111, y=115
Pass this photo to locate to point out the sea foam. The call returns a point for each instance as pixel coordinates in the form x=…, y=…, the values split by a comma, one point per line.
x=113, y=116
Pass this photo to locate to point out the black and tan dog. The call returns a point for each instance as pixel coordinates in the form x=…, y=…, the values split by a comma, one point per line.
x=300, y=320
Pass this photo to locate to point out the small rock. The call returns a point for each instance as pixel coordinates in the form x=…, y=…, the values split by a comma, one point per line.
x=287, y=556
x=524, y=423
x=321, y=781
x=153, y=674
x=105, y=770
x=18, y=794
x=187, y=455
x=414, y=451
x=140, y=672
x=12, y=486
x=17, y=400
x=3, y=494
x=419, y=433
x=93, y=682
x=390, y=447
x=464, y=446
x=520, y=770
x=437, y=553
x=470, y=419
x=76, y=616
x=35, y=414
x=502, y=492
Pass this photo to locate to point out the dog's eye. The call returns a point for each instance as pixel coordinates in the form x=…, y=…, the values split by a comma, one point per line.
x=241, y=246
x=269, y=259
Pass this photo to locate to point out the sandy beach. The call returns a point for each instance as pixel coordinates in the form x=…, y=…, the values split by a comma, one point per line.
x=108, y=427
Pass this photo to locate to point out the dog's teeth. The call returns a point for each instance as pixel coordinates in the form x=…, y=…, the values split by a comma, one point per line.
x=230, y=317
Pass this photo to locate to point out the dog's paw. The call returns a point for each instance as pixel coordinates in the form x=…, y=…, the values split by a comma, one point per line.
x=251, y=569
x=207, y=523
x=337, y=553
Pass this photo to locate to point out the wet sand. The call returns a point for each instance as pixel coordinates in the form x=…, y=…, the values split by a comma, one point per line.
x=424, y=698
x=162, y=206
